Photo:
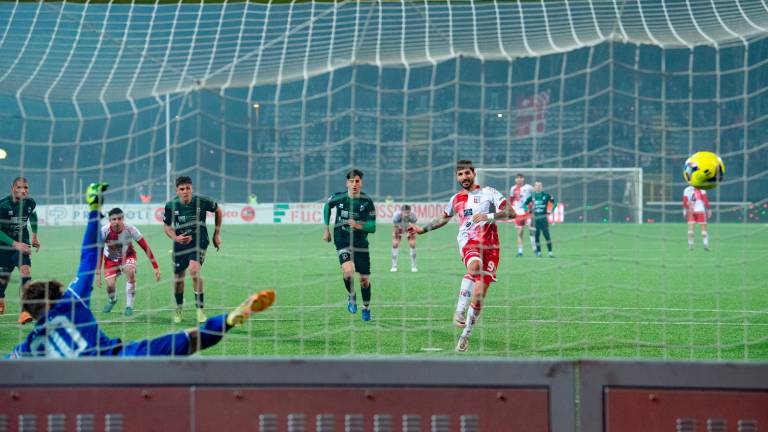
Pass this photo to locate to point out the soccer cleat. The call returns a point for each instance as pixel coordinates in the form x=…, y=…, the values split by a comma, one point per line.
x=463, y=344
x=94, y=195
x=110, y=304
x=352, y=305
x=128, y=311
x=460, y=319
x=255, y=303
x=366, y=314
x=177, y=315
x=2, y=306
x=25, y=317
x=519, y=254
x=414, y=270
x=393, y=269
x=551, y=255
x=201, y=318
x=538, y=254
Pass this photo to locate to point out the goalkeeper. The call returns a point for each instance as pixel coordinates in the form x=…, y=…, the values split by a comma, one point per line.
x=66, y=326
x=542, y=203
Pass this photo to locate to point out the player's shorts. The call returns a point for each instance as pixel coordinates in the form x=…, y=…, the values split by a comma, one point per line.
x=181, y=258
x=397, y=233
x=541, y=223
x=522, y=220
x=177, y=344
x=360, y=257
x=11, y=258
x=113, y=268
x=488, y=257
x=697, y=217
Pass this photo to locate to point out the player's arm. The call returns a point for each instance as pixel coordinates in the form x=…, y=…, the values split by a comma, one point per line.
x=19, y=246
x=705, y=199
x=147, y=250
x=686, y=204
x=554, y=203
x=99, y=263
x=83, y=283
x=432, y=225
x=327, y=217
x=168, y=229
x=217, y=219
x=33, y=228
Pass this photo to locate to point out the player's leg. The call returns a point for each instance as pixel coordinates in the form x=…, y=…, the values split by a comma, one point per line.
x=519, y=230
x=465, y=296
x=110, y=280
x=195, y=267
x=24, y=263
x=485, y=273
x=188, y=342
x=412, y=245
x=704, y=234
x=4, y=278
x=347, y=273
x=180, y=264
x=531, y=230
x=691, y=230
x=362, y=260
x=395, y=248
x=537, y=240
x=130, y=285
x=544, y=228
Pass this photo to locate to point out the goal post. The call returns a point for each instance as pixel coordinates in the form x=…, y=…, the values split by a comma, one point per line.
x=589, y=194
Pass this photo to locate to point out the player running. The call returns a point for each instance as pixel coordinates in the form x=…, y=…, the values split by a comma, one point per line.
x=517, y=195
x=542, y=203
x=119, y=256
x=184, y=223
x=696, y=210
x=67, y=328
x=355, y=219
x=400, y=221
x=15, y=243
x=477, y=208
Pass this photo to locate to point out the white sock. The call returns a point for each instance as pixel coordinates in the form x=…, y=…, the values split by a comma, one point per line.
x=130, y=294
x=472, y=317
x=394, y=256
x=533, y=241
x=705, y=239
x=465, y=295
x=519, y=249
x=112, y=297
x=413, y=257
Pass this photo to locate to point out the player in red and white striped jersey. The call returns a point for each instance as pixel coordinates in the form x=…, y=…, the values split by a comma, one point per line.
x=696, y=210
x=119, y=256
x=477, y=209
x=517, y=195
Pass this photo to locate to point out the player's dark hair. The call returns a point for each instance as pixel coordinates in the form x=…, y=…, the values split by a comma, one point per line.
x=35, y=295
x=115, y=211
x=464, y=164
x=519, y=175
x=406, y=207
x=19, y=179
x=182, y=180
x=354, y=172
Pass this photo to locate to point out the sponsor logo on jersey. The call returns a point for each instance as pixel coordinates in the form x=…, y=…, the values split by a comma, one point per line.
x=467, y=212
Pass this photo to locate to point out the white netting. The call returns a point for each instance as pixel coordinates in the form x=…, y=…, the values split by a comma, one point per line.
x=275, y=101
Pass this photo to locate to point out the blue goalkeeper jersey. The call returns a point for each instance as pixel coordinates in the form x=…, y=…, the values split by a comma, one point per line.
x=70, y=329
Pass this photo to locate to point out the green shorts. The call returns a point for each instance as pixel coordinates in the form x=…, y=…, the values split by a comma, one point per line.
x=181, y=258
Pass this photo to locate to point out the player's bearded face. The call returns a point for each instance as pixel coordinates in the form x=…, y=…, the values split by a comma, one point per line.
x=354, y=185
x=466, y=178
x=184, y=192
x=20, y=190
x=538, y=187
x=519, y=181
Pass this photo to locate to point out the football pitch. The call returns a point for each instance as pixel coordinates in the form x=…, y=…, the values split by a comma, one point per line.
x=613, y=291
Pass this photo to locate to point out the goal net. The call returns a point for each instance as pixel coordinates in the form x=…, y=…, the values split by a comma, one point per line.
x=267, y=105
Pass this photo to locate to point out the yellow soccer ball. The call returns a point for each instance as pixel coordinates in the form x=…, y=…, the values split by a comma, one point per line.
x=704, y=170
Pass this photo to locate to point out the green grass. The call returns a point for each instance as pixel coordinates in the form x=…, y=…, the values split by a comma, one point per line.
x=614, y=291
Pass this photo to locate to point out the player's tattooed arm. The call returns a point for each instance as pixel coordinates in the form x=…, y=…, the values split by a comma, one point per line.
x=434, y=224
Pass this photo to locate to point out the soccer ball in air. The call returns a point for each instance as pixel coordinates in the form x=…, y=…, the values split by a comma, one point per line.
x=704, y=170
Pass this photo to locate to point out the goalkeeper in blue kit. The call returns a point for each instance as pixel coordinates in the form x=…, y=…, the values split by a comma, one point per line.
x=65, y=326
x=542, y=203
